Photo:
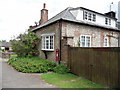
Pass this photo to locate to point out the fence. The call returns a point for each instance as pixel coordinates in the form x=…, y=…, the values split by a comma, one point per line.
x=101, y=65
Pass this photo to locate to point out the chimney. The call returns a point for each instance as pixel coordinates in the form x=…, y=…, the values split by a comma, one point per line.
x=44, y=15
x=111, y=14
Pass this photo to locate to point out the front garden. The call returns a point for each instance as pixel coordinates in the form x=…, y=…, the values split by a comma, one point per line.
x=25, y=60
x=60, y=75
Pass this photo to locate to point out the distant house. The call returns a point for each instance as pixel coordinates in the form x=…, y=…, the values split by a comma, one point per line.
x=6, y=46
x=77, y=27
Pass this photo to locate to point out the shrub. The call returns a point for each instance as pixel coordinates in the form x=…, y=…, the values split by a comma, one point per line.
x=32, y=65
x=61, y=69
x=26, y=45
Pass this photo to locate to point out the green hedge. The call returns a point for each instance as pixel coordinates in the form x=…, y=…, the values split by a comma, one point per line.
x=32, y=65
x=61, y=69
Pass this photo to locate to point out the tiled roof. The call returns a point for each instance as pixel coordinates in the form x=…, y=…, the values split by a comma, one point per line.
x=68, y=16
x=5, y=44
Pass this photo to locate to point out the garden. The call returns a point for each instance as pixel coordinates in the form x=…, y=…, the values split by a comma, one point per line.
x=26, y=60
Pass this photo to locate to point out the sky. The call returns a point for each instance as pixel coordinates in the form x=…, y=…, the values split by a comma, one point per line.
x=17, y=15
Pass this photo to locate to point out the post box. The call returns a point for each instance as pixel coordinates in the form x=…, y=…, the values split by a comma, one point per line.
x=57, y=54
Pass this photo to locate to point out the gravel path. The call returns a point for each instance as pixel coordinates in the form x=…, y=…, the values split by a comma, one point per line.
x=13, y=79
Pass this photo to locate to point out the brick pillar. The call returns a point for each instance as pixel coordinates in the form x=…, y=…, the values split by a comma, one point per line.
x=64, y=52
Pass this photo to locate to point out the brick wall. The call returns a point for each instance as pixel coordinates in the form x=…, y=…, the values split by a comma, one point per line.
x=54, y=28
x=97, y=34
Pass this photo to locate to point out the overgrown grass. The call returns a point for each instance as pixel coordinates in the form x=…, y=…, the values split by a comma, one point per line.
x=32, y=65
x=68, y=81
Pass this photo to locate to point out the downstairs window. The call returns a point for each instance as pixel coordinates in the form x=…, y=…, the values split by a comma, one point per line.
x=48, y=43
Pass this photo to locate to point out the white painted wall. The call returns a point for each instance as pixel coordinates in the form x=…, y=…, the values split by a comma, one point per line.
x=100, y=19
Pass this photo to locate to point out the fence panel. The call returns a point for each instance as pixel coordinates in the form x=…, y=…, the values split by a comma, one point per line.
x=100, y=65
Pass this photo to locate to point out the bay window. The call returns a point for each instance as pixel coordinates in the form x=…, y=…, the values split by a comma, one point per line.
x=48, y=42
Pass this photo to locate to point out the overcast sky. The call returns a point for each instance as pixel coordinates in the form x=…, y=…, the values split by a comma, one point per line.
x=17, y=15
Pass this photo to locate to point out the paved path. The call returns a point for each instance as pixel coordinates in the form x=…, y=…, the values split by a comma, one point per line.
x=0, y=73
x=13, y=79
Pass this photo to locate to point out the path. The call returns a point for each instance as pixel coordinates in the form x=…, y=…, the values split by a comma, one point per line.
x=13, y=79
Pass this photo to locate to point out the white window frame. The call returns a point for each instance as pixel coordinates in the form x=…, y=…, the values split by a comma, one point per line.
x=44, y=39
x=107, y=21
x=106, y=44
x=85, y=40
x=89, y=16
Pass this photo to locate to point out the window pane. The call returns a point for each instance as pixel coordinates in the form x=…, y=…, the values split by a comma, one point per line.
x=105, y=42
x=106, y=20
x=109, y=21
x=86, y=15
x=83, y=44
x=87, y=41
x=94, y=17
x=83, y=41
x=89, y=16
x=47, y=44
x=51, y=42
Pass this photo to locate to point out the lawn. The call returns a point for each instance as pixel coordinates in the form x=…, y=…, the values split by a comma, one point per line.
x=68, y=81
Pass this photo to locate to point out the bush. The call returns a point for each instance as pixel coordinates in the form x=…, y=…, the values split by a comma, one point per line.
x=61, y=69
x=26, y=45
x=32, y=65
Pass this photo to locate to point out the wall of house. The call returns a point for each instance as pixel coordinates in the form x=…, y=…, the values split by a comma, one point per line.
x=73, y=31
x=53, y=28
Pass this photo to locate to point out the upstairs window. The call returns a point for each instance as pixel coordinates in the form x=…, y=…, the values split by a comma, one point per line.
x=85, y=15
x=94, y=17
x=107, y=21
x=89, y=16
x=85, y=40
x=47, y=42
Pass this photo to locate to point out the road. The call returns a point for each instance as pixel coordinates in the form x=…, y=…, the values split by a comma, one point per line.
x=14, y=79
x=0, y=73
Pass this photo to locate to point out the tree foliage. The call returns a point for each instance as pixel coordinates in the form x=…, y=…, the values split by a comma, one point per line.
x=26, y=44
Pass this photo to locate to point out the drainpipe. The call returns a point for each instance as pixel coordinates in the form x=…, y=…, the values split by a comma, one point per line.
x=119, y=40
x=60, y=30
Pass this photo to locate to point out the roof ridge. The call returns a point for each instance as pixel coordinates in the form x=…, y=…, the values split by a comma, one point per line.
x=67, y=9
x=59, y=13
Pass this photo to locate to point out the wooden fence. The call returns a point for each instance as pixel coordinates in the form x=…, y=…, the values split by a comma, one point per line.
x=101, y=65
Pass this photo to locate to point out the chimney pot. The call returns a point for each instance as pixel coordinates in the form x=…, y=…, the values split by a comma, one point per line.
x=44, y=6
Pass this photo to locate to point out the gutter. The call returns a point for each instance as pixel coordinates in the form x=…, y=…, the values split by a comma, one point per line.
x=74, y=21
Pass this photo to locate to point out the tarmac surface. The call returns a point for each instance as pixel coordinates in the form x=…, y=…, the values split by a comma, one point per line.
x=10, y=78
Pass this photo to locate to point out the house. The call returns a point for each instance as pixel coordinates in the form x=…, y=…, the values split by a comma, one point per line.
x=77, y=27
x=119, y=14
x=6, y=46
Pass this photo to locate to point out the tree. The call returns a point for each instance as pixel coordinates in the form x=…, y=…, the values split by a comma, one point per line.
x=26, y=44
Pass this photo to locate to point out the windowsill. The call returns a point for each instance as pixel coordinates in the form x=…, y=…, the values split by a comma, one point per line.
x=48, y=50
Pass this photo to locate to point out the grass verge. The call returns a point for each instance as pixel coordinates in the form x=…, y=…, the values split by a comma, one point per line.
x=68, y=81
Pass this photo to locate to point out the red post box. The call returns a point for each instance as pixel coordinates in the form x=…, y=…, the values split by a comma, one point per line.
x=57, y=54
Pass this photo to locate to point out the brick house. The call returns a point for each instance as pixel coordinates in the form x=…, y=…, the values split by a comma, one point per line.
x=77, y=27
